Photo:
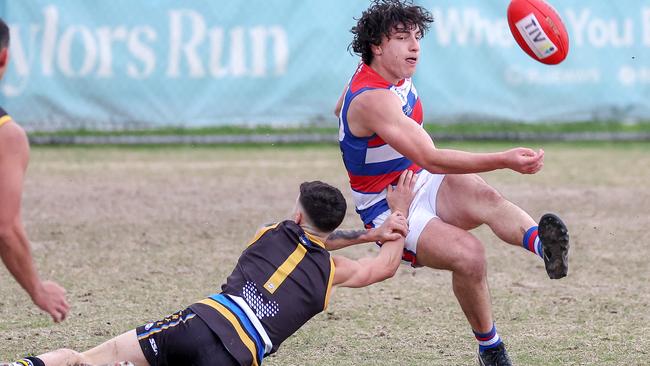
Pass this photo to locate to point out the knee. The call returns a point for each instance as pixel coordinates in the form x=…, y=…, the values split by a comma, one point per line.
x=490, y=196
x=471, y=263
x=71, y=353
x=63, y=356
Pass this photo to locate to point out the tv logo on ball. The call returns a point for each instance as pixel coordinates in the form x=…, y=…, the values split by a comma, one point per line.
x=538, y=30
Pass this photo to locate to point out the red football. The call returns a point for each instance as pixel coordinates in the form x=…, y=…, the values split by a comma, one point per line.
x=538, y=30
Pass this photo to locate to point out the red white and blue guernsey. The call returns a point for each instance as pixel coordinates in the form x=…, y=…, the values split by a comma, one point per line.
x=371, y=163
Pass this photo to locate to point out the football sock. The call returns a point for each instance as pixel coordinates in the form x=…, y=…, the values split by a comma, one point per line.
x=28, y=361
x=487, y=340
x=532, y=242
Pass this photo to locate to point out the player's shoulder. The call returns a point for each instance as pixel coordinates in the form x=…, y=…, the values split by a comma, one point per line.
x=12, y=135
x=367, y=78
x=376, y=99
x=261, y=231
x=4, y=117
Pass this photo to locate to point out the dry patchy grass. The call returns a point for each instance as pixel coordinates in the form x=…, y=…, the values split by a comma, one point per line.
x=135, y=234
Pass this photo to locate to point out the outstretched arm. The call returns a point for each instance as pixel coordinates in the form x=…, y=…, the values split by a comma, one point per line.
x=14, y=246
x=379, y=111
x=368, y=270
x=399, y=199
x=390, y=230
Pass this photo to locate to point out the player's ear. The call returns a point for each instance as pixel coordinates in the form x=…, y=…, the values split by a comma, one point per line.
x=4, y=57
x=297, y=217
x=376, y=49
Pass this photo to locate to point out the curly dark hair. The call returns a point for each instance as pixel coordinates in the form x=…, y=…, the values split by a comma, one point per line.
x=380, y=19
x=4, y=35
x=324, y=205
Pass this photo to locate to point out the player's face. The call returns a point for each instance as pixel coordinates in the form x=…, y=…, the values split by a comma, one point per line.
x=400, y=51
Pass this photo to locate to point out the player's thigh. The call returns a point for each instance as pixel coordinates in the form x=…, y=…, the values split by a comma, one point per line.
x=464, y=200
x=444, y=246
x=124, y=347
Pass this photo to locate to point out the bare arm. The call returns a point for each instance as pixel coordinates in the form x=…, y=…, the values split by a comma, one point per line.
x=339, y=103
x=379, y=111
x=14, y=246
x=391, y=229
x=399, y=199
x=344, y=238
x=366, y=271
x=369, y=270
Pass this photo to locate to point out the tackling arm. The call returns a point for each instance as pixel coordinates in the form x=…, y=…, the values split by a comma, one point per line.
x=399, y=199
x=344, y=238
x=366, y=271
x=369, y=270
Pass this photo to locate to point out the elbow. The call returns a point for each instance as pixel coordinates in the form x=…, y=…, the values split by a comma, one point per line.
x=387, y=264
x=386, y=274
x=6, y=232
x=393, y=265
x=432, y=165
x=388, y=270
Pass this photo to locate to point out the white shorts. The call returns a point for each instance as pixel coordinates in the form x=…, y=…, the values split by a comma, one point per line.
x=422, y=210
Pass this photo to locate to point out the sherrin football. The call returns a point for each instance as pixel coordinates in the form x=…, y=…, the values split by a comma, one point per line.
x=538, y=30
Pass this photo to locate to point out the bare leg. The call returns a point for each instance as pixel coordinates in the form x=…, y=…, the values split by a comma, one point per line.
x=62, y=357
x=467, y=201
x=444, y=246
x=124, y=347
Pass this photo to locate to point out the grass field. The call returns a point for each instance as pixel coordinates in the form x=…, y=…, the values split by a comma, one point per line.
x=134, y=234
x=460, y=128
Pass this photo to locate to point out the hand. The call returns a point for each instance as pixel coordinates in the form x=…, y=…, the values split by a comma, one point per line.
x=399, y=198
x=393, y=228
x=50, y=297
x=524, y=160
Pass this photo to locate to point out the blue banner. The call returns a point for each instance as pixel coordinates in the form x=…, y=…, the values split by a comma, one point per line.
x=130, y=64
x=472, y=66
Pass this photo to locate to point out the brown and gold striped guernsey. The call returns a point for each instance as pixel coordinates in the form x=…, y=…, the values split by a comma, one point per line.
x=284, y=278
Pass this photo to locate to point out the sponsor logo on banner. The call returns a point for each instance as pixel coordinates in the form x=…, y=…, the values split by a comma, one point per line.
x=629, y=76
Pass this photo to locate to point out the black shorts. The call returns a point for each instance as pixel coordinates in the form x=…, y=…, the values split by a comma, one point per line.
x=182, y=339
